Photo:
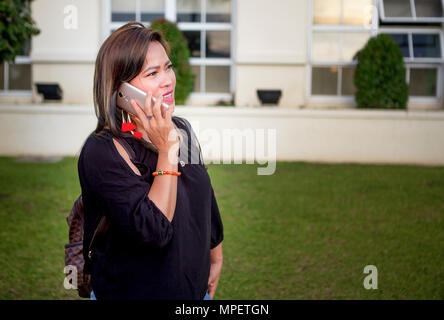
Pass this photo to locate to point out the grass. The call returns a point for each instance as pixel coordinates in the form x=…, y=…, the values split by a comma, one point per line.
x=306, y=232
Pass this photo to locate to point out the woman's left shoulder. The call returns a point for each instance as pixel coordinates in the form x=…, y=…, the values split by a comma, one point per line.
x=182, y=122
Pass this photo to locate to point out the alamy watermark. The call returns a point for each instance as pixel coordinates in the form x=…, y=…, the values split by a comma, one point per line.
x=371, y=281
x=70, y=281
x=71, y=20
x=231, y=146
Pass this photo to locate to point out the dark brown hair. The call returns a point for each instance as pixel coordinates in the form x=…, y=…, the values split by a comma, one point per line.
x=120, y=59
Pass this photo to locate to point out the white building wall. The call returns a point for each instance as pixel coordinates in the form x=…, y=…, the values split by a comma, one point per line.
x=271, y=50
x=65, y=50
x=372, y=136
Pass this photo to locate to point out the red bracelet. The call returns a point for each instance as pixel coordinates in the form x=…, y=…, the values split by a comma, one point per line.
x=161, y=172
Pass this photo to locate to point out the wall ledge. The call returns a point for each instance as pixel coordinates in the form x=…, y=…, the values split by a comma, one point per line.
x=255, y=112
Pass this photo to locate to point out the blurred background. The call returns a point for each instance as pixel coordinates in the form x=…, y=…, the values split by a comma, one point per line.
x=354, y=185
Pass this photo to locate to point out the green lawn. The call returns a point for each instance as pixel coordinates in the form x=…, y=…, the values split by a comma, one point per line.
x=306, y=232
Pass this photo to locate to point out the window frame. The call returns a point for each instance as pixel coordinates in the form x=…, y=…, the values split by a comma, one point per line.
x=409, y=32
x=170, y=11
x=413, y=18
x=338, y=28
x=375, y=29
x=439, y=79
x=21, y=59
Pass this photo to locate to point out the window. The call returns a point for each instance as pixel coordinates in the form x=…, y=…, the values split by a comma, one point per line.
x=423, y=55
x=341, y=12
x=139, y=10
x=418, y=45
x=423, y=81
x=417, y=11
x=15, y=78
x=207, y=25
x=339, y=30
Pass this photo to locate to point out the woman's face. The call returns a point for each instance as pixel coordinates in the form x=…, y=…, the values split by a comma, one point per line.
x=157, y=74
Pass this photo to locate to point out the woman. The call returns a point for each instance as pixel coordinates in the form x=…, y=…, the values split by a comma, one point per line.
x=165, y=233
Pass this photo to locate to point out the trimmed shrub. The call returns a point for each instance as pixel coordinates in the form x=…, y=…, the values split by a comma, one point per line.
x=179, y=56
x=16, y=26
x=380, y=75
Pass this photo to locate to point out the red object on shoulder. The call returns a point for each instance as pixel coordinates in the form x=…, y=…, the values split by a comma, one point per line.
x=137, y=134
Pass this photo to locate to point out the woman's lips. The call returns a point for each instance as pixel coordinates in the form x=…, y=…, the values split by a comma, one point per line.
x=169, y=98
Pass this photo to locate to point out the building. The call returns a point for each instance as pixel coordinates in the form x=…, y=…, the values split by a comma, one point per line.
x=303, y=47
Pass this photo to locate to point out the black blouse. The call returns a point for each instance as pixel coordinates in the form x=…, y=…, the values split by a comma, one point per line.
x=143, y=255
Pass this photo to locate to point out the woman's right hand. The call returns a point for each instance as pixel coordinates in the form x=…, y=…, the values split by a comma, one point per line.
x=159, y=127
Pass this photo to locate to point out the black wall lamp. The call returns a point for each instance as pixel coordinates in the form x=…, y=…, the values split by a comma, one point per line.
x=269, y=96
x=50, y=91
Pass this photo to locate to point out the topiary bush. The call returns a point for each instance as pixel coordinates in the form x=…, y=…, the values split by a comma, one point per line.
x=179, y=56
x=16, y=26
x=380, y=75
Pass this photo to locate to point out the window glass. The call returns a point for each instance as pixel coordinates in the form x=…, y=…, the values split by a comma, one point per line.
x=325, y=46
x=193, y=38
x=217, y=79
x=426, y=46
x=218, y=44
x=397, y=8
x=326, y=11
x=357, y=12
x=428, y=8
x=324, y=80
x=347, y=85
x=423, y=82
x=19, y=76
x=196, y=73
x=352, y=42
x=2, y=76
x=26, y=48
x=218, y=11
x=152, y=9
x=123, y=10
x=402, y=40
x=188, y=11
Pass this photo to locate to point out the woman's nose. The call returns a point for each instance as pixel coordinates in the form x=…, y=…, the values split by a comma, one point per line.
x=166, y=80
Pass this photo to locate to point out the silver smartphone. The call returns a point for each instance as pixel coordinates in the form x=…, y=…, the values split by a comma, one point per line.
x=126, y=92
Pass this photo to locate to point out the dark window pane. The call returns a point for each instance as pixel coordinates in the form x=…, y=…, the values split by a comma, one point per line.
x=193, y=38
x=217, y=79
x=19, y=77
x=324, y=80
x=188, y=11
x=122, y=17
x=123, y=10
x=2, y=76
x=428, y=8
x=426, y=46
x=218, y=44
x=397, y=8
x=196, y=73
x=26, y=48
x=348, y=86
x=218, y=11
x=402, y=40
x=423, y=82
x=189, y=17
x=145, y=17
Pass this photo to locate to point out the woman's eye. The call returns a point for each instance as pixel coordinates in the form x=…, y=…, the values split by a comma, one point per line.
x=153, y=73
x=170, y=66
